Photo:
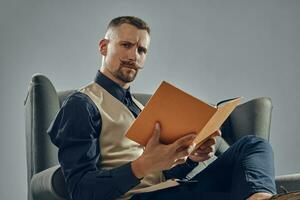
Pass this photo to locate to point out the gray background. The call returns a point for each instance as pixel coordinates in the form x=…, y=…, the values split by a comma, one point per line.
x=212, y=49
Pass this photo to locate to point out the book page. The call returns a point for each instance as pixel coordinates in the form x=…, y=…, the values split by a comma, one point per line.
x=217, y=120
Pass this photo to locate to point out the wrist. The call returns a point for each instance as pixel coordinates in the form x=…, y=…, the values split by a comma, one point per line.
x=138, y=168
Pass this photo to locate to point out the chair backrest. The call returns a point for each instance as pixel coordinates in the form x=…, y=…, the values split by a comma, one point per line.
x=250, y=118
x=41, y=105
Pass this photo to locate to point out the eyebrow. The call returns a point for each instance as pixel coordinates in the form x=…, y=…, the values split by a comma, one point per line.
x=127, y=41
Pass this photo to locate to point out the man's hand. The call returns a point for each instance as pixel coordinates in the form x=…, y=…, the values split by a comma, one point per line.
x=206, y=150
x=158, y=156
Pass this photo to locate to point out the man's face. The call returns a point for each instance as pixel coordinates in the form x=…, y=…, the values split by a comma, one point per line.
x=126, y=52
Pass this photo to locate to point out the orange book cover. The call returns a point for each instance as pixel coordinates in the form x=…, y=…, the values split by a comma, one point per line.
x=178, y=114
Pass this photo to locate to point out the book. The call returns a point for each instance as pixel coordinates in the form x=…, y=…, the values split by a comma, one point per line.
x=179, y=114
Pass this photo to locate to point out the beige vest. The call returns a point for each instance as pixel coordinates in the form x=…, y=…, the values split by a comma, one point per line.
x=116, y=149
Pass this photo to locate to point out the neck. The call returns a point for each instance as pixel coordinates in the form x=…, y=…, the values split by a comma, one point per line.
x=107, y=73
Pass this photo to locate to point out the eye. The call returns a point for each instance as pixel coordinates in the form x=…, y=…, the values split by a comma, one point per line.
x=127, y=45
x=142, y=50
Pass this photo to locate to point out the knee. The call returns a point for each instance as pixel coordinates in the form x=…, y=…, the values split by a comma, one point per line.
x=254, y=142
x=252, y=139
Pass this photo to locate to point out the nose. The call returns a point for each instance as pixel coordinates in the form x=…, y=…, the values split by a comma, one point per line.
x=133, y=54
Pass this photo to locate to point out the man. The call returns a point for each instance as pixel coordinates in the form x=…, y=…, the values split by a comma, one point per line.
x=99, y=162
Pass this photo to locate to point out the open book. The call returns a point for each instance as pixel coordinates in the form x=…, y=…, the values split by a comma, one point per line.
x=179, y=114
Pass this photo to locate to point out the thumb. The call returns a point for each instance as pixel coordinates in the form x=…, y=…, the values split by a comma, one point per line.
x=155, y=134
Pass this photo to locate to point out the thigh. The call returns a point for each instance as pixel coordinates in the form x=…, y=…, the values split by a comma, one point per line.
x=239, y=170
x=217, y=176
x=183, y=191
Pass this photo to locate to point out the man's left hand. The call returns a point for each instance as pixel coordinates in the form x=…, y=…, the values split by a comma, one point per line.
x=206, y=150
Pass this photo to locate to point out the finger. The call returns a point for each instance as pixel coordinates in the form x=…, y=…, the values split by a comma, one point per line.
x=202, y=154
x=180, y=161
x=155, y=135
x=208, y=143
x=184, y=141
x=217, y=133
x=200, y=158
x=182, y=148
x=181, y=154
x=206, y=150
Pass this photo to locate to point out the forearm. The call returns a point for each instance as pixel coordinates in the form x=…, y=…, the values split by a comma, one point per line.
x=100, y=184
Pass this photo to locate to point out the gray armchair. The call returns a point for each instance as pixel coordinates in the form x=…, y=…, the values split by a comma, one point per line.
x=44, y=176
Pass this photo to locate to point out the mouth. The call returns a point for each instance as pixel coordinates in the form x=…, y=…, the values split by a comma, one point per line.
x=129, y=65
x=129, y=69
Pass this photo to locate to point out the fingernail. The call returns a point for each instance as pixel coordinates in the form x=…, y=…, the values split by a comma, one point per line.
x=157, y=125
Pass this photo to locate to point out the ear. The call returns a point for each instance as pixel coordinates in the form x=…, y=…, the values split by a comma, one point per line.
x=103, y=46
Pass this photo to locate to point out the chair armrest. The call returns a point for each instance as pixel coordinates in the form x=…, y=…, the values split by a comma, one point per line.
x=49, y=185
x=290, y=182
x=221, y=146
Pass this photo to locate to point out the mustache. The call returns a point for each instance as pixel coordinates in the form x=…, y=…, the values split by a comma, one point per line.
x=130, y=64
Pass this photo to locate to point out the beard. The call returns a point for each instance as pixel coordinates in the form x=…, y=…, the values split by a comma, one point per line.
x=126, y=74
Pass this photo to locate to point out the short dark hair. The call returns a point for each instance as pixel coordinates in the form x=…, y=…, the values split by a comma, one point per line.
x=132, y=20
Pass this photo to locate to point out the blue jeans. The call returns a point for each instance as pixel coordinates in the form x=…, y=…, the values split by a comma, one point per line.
x=247, y=167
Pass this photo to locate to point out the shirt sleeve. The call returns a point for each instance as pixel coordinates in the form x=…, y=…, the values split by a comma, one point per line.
x=181, y=171
x=75, y=131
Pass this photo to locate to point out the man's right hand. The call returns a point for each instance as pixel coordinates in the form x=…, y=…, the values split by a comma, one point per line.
x=159, y=157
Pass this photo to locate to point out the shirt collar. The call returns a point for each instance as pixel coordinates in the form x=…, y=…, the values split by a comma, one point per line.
x=112, y=87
